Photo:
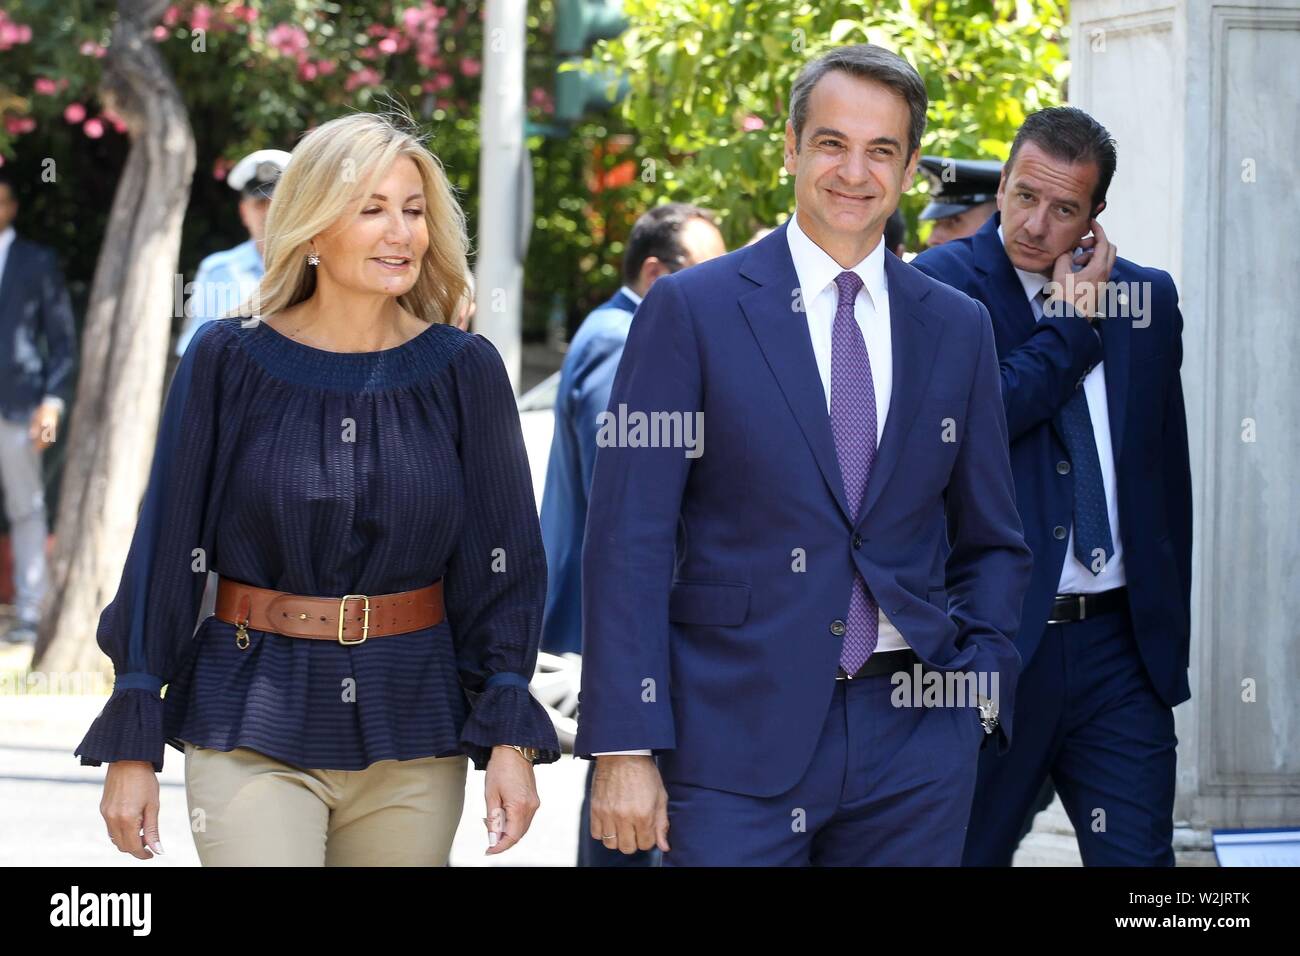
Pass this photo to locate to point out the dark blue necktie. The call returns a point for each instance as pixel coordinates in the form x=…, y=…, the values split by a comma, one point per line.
x=1091, y=521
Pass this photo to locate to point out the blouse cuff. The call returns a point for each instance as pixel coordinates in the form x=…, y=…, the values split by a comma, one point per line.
x=507, y=713
x=130, y=727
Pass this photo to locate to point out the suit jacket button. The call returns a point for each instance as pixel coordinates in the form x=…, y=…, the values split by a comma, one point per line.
x=857, y=541
x=838, y=628
x=1059, y=533
x=1062, y=467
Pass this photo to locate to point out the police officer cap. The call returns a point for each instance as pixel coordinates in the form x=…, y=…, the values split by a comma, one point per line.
x=958, y=184
x=256, y=173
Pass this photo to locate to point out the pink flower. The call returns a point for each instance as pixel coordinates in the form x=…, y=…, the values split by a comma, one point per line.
x=362, y=77
x=470, y=66
x=160, y=33
x=752, y=123
x=307, y=71
x=74, y=113
x=326, y=67
x=443, y=80
x=288, y=39
x=94, y=128
x=17, y=125
x=201, y=17
x=220, y=168
x=11, y=34
x=45, y=86
x=171, y=16
x=91, y=48
x=388, y=45
x=239, y=11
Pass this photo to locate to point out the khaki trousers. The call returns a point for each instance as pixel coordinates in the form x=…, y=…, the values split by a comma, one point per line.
x=248, y=809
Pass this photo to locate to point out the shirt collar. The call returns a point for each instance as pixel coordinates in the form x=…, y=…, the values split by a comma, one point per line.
x=627, y=291
x=816, y=269
x=7, y=238
x=1031, y=282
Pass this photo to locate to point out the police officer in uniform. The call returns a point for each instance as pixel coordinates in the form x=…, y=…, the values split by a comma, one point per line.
x=963, y=195
x=228, y=277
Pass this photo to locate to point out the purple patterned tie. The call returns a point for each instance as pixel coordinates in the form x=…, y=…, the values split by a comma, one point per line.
x=853, y=420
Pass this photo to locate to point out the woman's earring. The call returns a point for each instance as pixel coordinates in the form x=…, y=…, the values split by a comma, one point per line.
x=313, y=259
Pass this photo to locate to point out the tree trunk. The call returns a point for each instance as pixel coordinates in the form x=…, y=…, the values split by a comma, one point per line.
x=124, y=347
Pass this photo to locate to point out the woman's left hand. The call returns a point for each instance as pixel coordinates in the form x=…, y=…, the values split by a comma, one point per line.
x=511, y=795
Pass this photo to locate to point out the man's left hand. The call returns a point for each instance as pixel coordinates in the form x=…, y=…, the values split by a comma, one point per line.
x=44, y=425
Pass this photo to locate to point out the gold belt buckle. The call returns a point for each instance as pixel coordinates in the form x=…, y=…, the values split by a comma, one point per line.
x=365, y=617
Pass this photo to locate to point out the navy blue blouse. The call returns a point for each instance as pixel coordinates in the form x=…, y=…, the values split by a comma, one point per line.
x=326, y=473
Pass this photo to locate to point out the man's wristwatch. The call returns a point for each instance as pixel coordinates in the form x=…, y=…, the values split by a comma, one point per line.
x=528, y=753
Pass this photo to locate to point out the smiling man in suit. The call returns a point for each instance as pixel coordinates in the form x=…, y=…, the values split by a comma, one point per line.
x=748, y=598
x=1090, y=376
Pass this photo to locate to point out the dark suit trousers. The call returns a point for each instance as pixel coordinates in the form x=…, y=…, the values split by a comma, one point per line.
x=1088, y=717
x=887, y=786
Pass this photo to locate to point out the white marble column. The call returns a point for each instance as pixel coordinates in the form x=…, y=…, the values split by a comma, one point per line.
x=1203, y=98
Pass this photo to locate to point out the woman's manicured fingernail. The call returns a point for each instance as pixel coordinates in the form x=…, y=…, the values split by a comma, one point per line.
x=493, y=838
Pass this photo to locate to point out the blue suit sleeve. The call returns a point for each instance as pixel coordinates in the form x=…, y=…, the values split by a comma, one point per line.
x=592, y=394
x=1040, y=374
x=148, y=628
x=60, y=333
x=1177, y=463
x=989, y=564
x=630, y=543
x=495, y=585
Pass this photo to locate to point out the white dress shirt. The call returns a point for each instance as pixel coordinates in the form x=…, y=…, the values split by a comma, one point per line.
x=1077, y=578
x=816, y=271
x=7, y=238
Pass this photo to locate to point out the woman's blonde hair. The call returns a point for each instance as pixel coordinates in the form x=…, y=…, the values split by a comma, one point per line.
x=332, y=169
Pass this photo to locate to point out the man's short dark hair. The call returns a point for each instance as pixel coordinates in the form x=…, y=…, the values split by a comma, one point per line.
x=658, y=233
x=868, y=62
x=1070, y=134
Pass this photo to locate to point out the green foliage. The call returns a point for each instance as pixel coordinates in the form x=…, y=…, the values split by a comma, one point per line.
x=701, y=71
x=250, y=80
x=710, y=81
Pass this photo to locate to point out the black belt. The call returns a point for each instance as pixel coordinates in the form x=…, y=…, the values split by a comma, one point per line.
x=882, y=662
x=1068, y=608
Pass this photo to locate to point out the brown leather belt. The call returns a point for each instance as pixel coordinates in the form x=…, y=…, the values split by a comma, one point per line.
x=350, y=619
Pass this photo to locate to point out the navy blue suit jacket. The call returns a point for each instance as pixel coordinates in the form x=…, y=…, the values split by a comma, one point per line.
x=1041, y=365
x=701, y=639
x=38, y=338
x=586, y=378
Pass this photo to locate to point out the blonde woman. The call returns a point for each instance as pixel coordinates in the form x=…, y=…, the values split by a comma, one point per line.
x=352, y=466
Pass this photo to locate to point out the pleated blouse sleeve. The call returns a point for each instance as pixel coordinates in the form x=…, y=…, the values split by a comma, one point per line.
x=495, y=584
x=148, y=628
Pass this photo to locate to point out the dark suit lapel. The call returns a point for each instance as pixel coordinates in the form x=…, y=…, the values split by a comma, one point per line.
x=13, y=268
x=782, y=335
x=1116, y=334
x=913, y=346
x=1002, y=291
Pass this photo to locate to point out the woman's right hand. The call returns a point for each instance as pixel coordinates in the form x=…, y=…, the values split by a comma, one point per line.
x=129, y=805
